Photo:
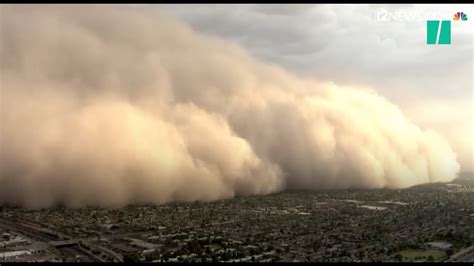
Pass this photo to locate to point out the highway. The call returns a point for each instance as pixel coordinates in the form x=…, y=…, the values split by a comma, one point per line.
x=59, y=242
x=465, y=255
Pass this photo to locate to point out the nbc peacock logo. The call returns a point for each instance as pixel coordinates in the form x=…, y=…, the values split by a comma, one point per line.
x=460, y=16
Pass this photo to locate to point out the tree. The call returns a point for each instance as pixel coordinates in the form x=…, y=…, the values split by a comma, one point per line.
x=155, y=255
x=225, y=257
x=399, y=257
x=449, y=252
x=131, y=257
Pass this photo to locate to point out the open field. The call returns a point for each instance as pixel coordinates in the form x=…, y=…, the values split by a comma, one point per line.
x=423, y=255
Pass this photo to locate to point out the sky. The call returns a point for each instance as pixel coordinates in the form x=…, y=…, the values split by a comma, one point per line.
x=111, y=105
x=375, y=47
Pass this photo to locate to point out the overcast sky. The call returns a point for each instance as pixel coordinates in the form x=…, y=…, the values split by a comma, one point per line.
x=382, y=47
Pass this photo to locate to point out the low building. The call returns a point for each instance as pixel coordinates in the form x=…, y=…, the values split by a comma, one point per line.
x=441, y=245
x=15, y=253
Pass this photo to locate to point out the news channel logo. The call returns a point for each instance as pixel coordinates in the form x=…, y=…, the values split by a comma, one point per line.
x=385, y=15
x=438, y=29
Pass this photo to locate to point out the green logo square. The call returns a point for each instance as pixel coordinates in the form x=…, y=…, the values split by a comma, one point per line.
x=432, y=29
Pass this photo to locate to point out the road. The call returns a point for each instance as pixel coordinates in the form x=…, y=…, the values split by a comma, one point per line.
x=49, y=238
x=465, y=255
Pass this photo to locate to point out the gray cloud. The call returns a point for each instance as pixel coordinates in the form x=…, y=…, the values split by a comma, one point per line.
x=346, y=44
x=111, y=105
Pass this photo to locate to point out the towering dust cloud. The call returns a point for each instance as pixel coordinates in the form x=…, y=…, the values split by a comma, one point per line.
x=107, y=106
